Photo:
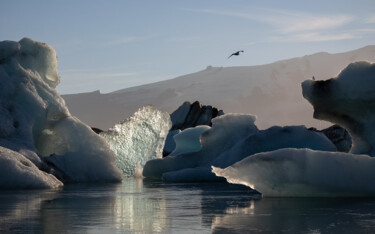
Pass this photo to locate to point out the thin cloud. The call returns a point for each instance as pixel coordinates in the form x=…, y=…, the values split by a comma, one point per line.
x=313, y=37
x=286, y=21
x=370, y=19
x=91, y=76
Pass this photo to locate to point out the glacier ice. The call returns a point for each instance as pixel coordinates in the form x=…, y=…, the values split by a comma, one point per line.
x=170, y=144
x=225, y=131
x=261, y=141
x=189, y=140
x=139, y=138
x=349, y=101
x=17, y=171
x=35, y=121
x=231, y=138
x=304, y=173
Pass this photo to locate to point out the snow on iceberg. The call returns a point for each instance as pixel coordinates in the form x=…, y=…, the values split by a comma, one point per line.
x=304, y=173
x=349, y=101
x=139, y=138
x=35, y=121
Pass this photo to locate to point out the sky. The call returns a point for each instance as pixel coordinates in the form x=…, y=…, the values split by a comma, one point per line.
x=112, y=45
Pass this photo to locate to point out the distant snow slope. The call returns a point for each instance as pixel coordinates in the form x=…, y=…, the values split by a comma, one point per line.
x=272, y=92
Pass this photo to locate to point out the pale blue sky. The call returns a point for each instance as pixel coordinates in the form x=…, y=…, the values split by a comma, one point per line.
x=110, y=45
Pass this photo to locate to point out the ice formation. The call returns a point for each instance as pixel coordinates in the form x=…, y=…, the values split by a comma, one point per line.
x=225, y=131
x=35, y=122
x=17, y=171
x=139, y=138
x=189, y=140
x=170, y=144
x=304, y=173
x=349, y=101
x=223, y=148
x=261, y=141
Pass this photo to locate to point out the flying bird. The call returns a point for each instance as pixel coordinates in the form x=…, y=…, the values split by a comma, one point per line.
x=236, y=53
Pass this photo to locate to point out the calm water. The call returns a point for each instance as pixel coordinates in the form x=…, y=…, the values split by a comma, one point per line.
x=137, y=206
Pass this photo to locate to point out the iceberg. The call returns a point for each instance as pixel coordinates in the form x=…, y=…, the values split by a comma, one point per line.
x=17, y=171
x=347, y=100
x=231, y=138
x=139, y=138
x=304, y=173
x=225, y=131
x=36, y=124
x=189, y=140
x=261, y=141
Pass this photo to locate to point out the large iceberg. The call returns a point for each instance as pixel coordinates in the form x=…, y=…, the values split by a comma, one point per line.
x=231, y=138
x=304, y=173
x=36, y=125
x=226, y=130
x=347, y=100
x=139, y=138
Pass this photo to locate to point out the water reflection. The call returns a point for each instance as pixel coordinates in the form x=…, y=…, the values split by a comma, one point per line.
x=138, y=206
x=300, y=215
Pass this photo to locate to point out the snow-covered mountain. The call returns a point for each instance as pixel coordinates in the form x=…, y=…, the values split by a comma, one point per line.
x=272, y=91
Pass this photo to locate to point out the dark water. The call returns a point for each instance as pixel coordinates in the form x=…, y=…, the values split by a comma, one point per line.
x=137, y=206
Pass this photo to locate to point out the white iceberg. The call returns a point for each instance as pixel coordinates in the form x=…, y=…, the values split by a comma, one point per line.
x=347, y=100
x=226, y=130
x=231, y=138
x=304, y=173
x=35, y=121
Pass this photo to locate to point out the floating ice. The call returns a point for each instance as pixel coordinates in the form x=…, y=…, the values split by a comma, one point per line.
x=189, y=140
x=304, y=173
x=262, y=141
x=349, y=101
x=226, y=130
x=139, y=138
x=19, y=172
x=170, y=144
x=35, y=121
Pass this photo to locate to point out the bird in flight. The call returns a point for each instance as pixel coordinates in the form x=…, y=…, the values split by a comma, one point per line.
x=236, y=53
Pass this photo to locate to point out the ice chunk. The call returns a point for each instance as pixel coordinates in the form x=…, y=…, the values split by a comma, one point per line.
x=349, y=101
x=189, y=140
x=170, y=144
x=19, y=172
x=139, y=138
x=304, y=173
x=225, y=132
x=265, y=140
x=35, y=120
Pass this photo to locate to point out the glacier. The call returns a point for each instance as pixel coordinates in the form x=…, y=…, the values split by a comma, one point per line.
x=38, y=134
x=139, y=138
x=347, y=100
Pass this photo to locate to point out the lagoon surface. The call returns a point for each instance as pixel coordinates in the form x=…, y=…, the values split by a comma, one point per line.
x=141, y=206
